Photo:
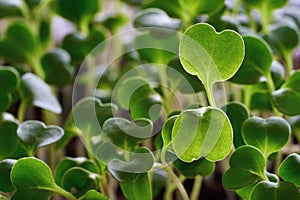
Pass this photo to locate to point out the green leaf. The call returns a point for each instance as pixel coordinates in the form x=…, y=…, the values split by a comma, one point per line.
x=202, y=132
x=36, y=182
x=287, y=97
x=166, y=130
x=9, y=79
x=93, y=195
x=247, y=166
x=201, y=51
x=277, y=73
x=154, y=17
x=19, y=44
x=245, y=192
x=9, y=140
x=139, y=188
x=237, y=114
x=35, y=134
x=126, y=134
x=5, y=101
x=67, y=163
x=5, y=169
x=289, y=169
x=10, y=8
x=80, y=180
x=257, y=61
x=275, y=191
x=200, y=167
x=268, y=135
x=37, y=92
x=32, y=3
x=56, y=66
x=76, y=10
x=159, y=181
x=140, y=161
x=203, y=7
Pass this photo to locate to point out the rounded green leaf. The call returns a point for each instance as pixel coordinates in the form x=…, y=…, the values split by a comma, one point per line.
x=277, y=73
x=5, y=101
x=247, y=166
x=237, y=114
x=268, y=135
x=76, y=10
x=10, y=8
x=36, y=182
x=166, y=131
x=9, y=140
x=257, y=61
x=56, y=66
x=93, y=195
x=80, y=180
x=271, y=4
x=172, y=8
x=275, y=191
x=200, y=167
x=154, y=17
x=37, y=92
x=202, y=132
x=9, y=79
x=35, y=134
x=288, y=95
x=5, y=170
x=202, y=50
x=289, y=169
x=126, y=134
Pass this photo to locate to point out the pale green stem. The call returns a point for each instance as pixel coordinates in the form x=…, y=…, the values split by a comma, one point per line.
x=196, y=187
x=210, y=95
x=289, y=63
x=21, y=111
x=265, y=18
x=64, y=193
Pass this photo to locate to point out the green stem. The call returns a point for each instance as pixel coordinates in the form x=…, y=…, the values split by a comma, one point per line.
x=265, y=18
x=289, y=63
x=252, y=21
x=271, y=88
x=210, y=95
x=21, y=111
x=178, y=183
x=196, y=188
x=64, y=193
x=236, y=7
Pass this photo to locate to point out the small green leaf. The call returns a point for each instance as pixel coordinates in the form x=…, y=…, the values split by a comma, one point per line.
x=93, y=195
x=56, y=66
x=9, y=140
x=277, y=73
x=166, y=130
x=79, y=180
x=202, y=132
x=200, y=167
x=247, y=166
x=126, y=134
x=289, y=169
x=35, y=134
x=172, y=8
x=268, y=135
x=257, y=61
x=9, y=79
x=275, y=191
x=237, y=114
x=5, y=101
x=37, y=92
x=10, y=8
x=5, y=169
x=159, y=181
x=203, y=7
x=154, y=17
x=288, y=95
x=36, y=182
x=201, y=51
x=76, y=10
x=68, y=163
x=137, y=189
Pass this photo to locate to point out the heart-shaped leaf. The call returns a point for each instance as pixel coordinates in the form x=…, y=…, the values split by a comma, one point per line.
x=289, y=169
x=285, y=98
x=139, y=188
x=9, y=140
x=268, y=135
x=126, y=134
x=275, y=191
x=35, y=91
x=10, y=8
x=68, y=163
x=76, y=10
x=201, y=51
x=36, y=182
x=154, y=17
x=35, y=134
x=202, y=132
x=93, y=195
x=5, y=169
x=56, y=66
x=247, y=166
x=18, y=33
x=140, y=161
x=257, y=61
x=80, y=180
x=237, y=114
x=200, y=167
x=9, y=79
